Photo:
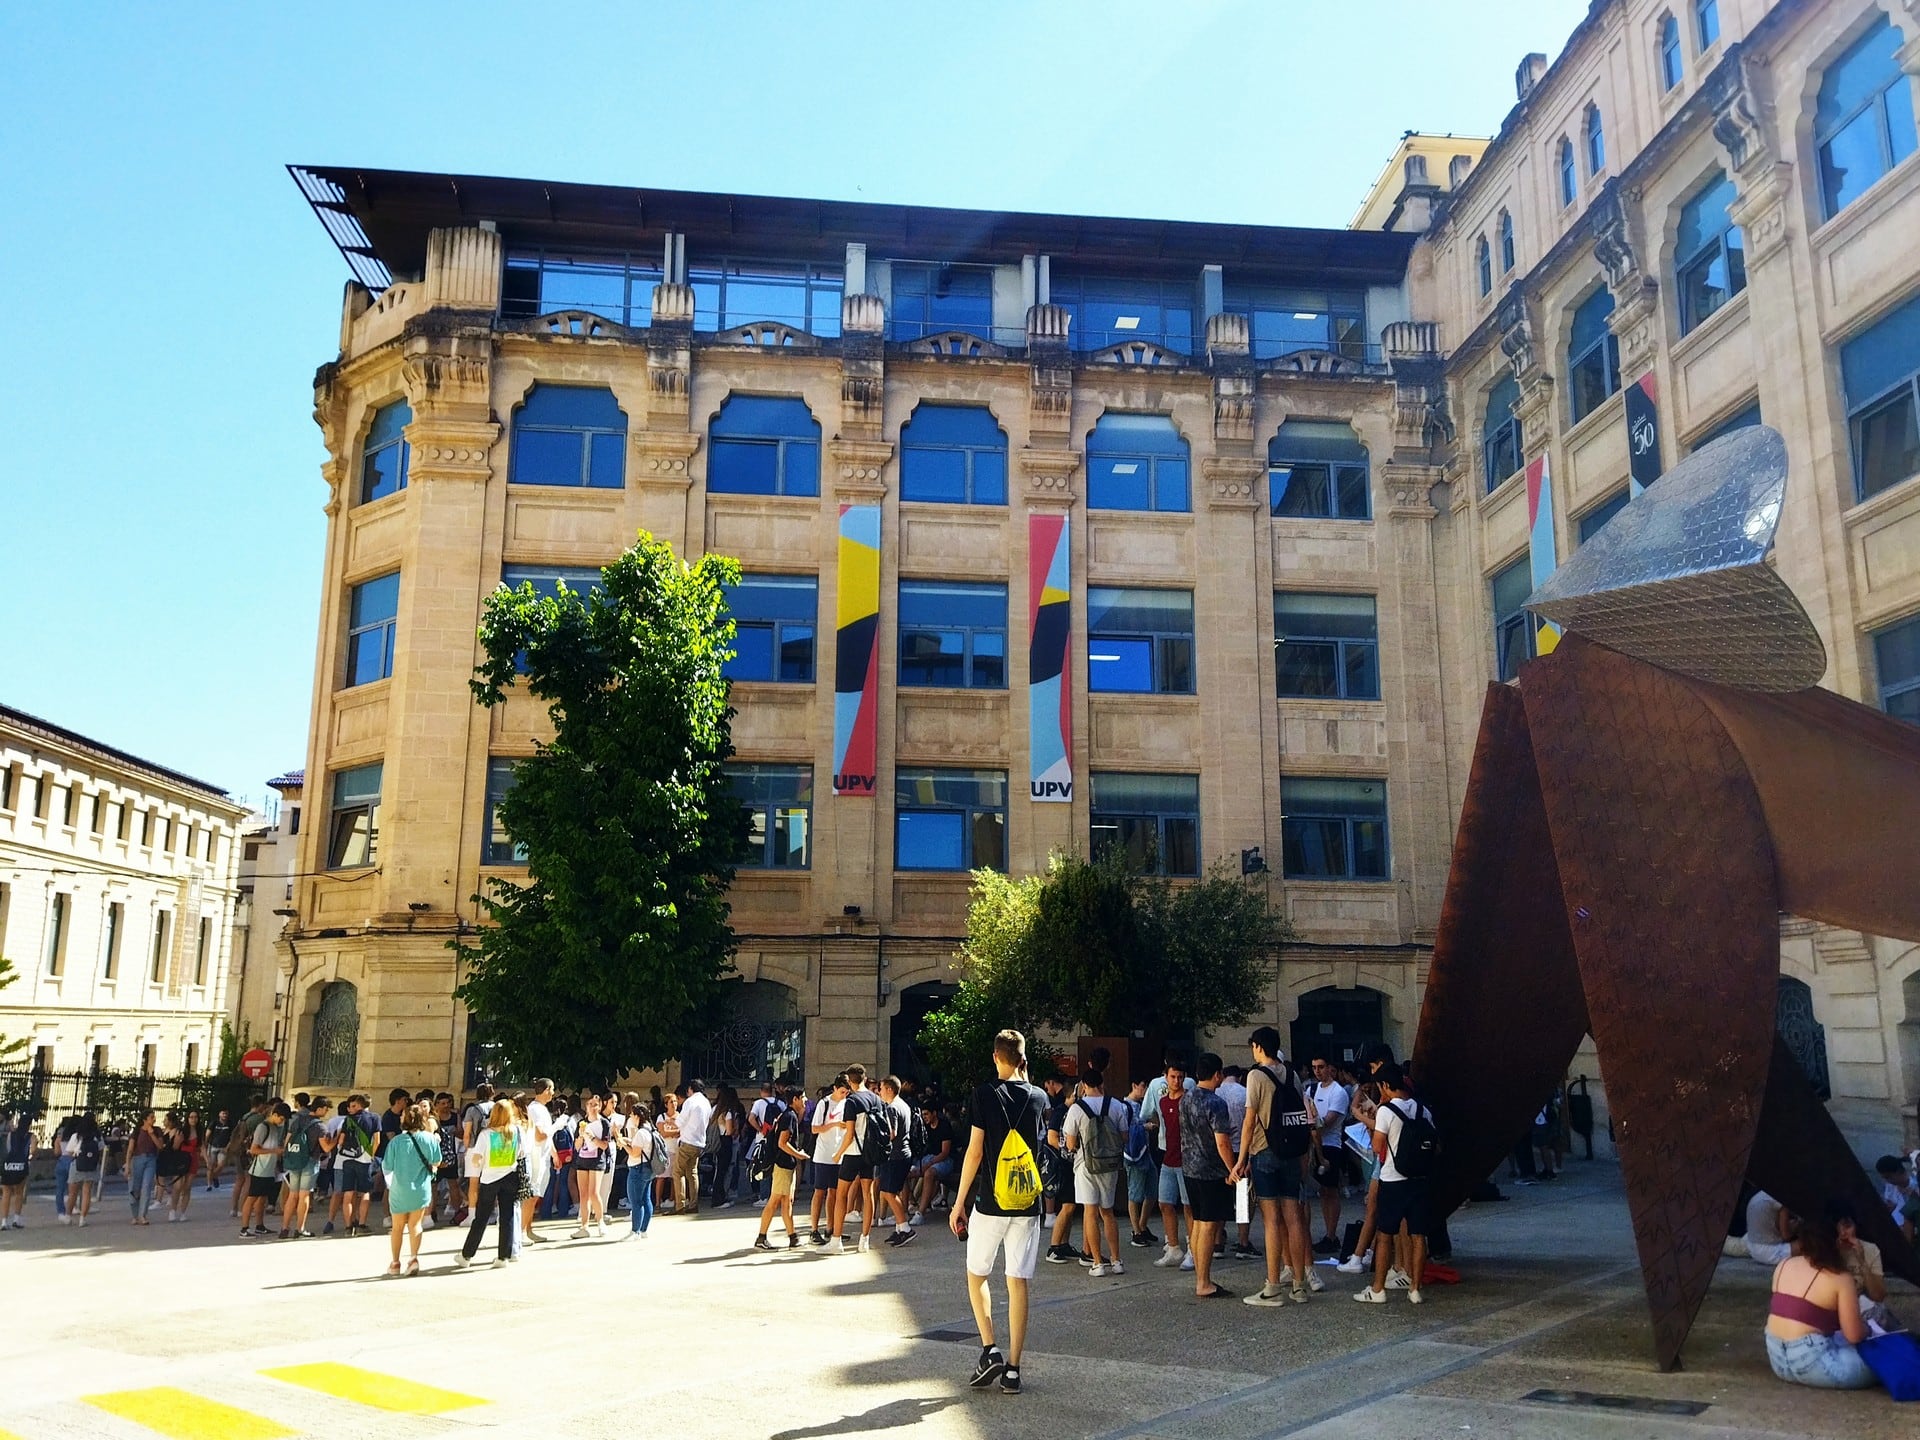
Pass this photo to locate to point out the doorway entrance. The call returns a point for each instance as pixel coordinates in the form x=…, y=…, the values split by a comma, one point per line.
x=905, y=1058
x=1338, y=1024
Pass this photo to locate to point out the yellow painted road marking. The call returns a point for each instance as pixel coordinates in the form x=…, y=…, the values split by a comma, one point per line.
x=365, y=1387
x=187, y=1417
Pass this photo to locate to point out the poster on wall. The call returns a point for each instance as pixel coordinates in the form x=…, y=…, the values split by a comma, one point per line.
x=1543, y=558
x=856, y=652
x=1049, y=676
x=1643, y=433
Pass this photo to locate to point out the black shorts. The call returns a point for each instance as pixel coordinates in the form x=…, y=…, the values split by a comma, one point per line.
x=1401, y=1200
x=852, y=1168
x=355, y=1177
x=893, y=1175
x=1209, y=1201
x=263, y=1187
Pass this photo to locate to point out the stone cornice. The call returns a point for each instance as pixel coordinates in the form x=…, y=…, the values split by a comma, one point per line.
x=1232, y=481
x=661, y=457
x=860, y=468
x=1050, y=474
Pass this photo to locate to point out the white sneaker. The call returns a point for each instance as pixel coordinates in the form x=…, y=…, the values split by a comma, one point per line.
x=460, y=1260
x=918, y=1217
x=66, y=1219
x=1097, y=1272
x=1114, y=1267
x=581, y=1233
x=837, y=1246
x=1286, y=1277
x=1371, y=1296
x=853, y=1214
x=1413, y=1296
x=1352, y=1265
x=601, y=1229
x=865, y=1244
x=498, y=1262
x=81, y=1222
x=1398, y=1280
x=1169, y=1257
x=1314, y=1282
x=884, y=1222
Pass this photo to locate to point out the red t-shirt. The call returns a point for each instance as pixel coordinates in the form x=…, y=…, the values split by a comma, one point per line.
x=1170, y=1129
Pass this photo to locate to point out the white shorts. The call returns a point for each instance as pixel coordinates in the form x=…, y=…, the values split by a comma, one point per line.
x=1018, y=1234
x=1095, y=1190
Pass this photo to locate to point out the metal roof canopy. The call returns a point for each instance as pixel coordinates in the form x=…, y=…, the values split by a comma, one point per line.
x=380, y=219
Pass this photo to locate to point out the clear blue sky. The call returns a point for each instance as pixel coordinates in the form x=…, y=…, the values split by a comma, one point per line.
x=160, y=494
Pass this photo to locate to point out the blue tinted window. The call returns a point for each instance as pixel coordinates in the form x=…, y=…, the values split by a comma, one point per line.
x=372, y=611
x=1140, y=641
x=1569, y=181
x=1506, y=242
x=1706, y=21
x=1672, y=62
x=1593, y=355
x=1326, y=646
x=764, y=445
x=547, y=579
x=953, y=634
x=1153, y=819
x=383, y=460
x=1108, y=310
x=775, y=619
x=802, y=294
x=933, y=299
x=1896, y=652
x=1333, y=829
x=1863, y=119
x=496, y=846
x=1596, y=142
x=569, y=435
x=1880, y=373
x=950, y=819
x=1595, y=520
x=1483, y=264
x=1136, y=462
x=1500, y=431
x=1283, y=319
x=618, y=286
x=955, y=454
x=1317, y=470
x=1740, y=420
x=778, y=800
x=1513, y=627
x=1710, y=263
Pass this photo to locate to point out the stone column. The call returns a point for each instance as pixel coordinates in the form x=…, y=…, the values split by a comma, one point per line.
x=659, y=466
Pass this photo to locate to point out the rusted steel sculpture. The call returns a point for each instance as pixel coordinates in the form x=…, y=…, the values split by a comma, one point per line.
x=1644, y=804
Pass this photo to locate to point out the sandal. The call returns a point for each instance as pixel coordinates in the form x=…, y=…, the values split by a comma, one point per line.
x=1219, y=1292
x=413, y=1267
x=393, y=1270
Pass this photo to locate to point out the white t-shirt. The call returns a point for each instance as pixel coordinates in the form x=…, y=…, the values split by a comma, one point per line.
x=1331, y=1102
x=695, y=1112
x=1387, y=1121
x=1078, y=1125
x=540, y=1121
x=1235, y=1094
x=826, y=1143
x=757, y=1112
x=1763, y=1220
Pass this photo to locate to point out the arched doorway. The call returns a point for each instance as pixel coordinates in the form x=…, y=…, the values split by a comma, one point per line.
x=905, y=1058
x=1338, y=1024
x=336, y=1037
x=764, y=1039
x=1805, y=1036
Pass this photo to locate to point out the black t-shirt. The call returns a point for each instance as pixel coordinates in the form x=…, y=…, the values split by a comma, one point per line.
x=940, y=1131
x=861, y=1108
x=1011, y=1106
x=785, y=1123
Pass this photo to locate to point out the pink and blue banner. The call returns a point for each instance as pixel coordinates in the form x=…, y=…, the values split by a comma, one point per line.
x=1049, y=673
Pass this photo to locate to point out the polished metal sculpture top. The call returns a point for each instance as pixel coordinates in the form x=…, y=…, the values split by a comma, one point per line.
x=1680, y=579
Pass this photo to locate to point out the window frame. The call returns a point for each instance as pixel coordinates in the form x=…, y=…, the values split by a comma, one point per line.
x=821, y=283
x=113, y=937
x=1117, y=818
x=1511, y=621
x=902, y=328
x=1343, y=647
x=1606, y=346
x=776, y=628
x=1594, y=519
x=1109, y=451
x=396, y=443
x=162, y=944
x=1670, y=54
x=780, y=443
x=1706, y=23
x=970, y=814
x=1904, y=389
x=969, y=453
x=1161, y=645
x=1726, y=246
x=1875, y=102
x=1494, y=439
x=1270, y=307
x=968, y=634
x=383, y=630
x=1076, y=293
x=1569, y=173
x=57, y=929
x=769, y=810
x=1507, y=251
x=1593, y=134
x=494, y=841
x=1339, y=471
x=363, y=804
x=1897, y=690
x=1483, y=265
x=519, y=425
x=1291, y=818
x=635, y=309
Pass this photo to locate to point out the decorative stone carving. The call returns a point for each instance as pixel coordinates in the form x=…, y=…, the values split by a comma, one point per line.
x=673, y=305
x=1232, y=481
x=662, y=457
x=1050, y=402
x=863, y=315
x=1516, y=332
x=1320, y=362
x=861, y=468
x=573, y=324
x=1409, y=490
x=1134, y=352
x=1743, y=123
x=670, y=352
x=1049, y=474
x=463, y=269
x=958, y=344
x=768, y=335
x=863, y=321
x=1230, y=354
x=1421, y=419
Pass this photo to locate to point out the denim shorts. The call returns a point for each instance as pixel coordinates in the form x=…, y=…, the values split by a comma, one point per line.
x=1274, y=1178
x=1826, y=1362
x=1140, y=1184
x=1173, y=1186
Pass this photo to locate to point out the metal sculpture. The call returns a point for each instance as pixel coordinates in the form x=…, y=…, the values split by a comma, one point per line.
x=1644, y=803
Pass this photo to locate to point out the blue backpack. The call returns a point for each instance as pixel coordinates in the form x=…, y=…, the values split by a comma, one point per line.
x=1139, y=1151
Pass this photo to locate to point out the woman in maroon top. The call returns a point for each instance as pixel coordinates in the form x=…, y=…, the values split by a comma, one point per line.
x=1813, y=1318
x=143, y=1158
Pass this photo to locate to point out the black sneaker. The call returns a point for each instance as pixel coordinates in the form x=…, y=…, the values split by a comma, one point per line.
x=992, y=1366
x=1245, y=1252
x=793, y=1242
x=1010, y=1380
x=1060, y=1255
x=899, y=1238
x=820, y=1237
x=1327, y=1246
x=285, y=1233
x=760, y=1242
x=1146, y=1238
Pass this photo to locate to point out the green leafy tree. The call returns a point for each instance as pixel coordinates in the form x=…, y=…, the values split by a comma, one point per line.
x=616, y=947
x=998, y=982
x=8, y=975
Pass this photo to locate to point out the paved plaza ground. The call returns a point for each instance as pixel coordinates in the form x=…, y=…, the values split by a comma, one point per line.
x=186, y=1330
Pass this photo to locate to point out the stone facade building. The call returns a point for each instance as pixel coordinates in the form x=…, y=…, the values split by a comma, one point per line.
x=256, y=996
x=116, y=905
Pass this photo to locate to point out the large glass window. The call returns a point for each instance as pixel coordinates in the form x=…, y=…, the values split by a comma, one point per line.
x=1317, y=470
x=934, y=299
x=1706, y=21
x=1155, y=819
x=953, y=634
x=1500, y=431
x=1569, y=179
x=1108, y=309
x=1136, y=462
x=953, y=454
x=1513, y=627
x=1140, y=642
x=383, y=459
x=1326, y=646
x=775, y=619
x=353, y=830
x=1282, y=319
x=1483, y=264
x=1880, y=373
x=1896, y=653
x=1333, y=829
x=1709, y=256
x=569, y=435
x=616, y=285
x=804, y=295
x=1863, y=119
x=950, y=819
x=1596, y=141
x=764, y=445
x=1672, y=60
x=1506, y=242
x=1593, y=355
x=779, y=803
x=1595, y=520
x=496, y=846
x=547, y=579
x=372, y=610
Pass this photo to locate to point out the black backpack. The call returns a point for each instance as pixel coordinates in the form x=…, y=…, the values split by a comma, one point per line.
x=89, y=1156
x=1289, y=1133
x=916, y=1137
x=878, y=1146
x=1419, y=1148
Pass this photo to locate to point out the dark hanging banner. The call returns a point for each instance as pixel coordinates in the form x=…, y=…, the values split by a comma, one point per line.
x=1643, y=433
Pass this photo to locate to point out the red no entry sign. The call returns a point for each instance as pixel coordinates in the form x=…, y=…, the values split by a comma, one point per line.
x=256, y=1064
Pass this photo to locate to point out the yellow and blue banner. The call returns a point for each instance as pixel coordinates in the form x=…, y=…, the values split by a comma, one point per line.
x=1543, y=558
x=856, y=652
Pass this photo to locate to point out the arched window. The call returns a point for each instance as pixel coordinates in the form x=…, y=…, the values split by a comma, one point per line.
x=383, y=459
x=336, y=1037
x=1863, y=121
x=1596, y=142
x=1593, y=355
x=1706, y=21
x=1709, y=257
x=1500, y=431
x=1672, y=59
x=764, y=445
x=1483, y=265
x=1569, y=183
x=953, y=453
x=569, y=435
x=1317, y=470
x=1136, y=462
x=1506, y=243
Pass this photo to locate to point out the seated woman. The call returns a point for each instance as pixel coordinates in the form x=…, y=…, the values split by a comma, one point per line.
x=1813, y=1320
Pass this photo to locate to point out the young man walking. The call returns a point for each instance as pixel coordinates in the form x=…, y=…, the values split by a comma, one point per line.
x=1274, y=1144
x=998, y=1209
x=1095, y=1136
x=788, y=1157
x=891, y=1176
x=1143, y=1173
x=1206, y=1158
x=1402, y=1208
